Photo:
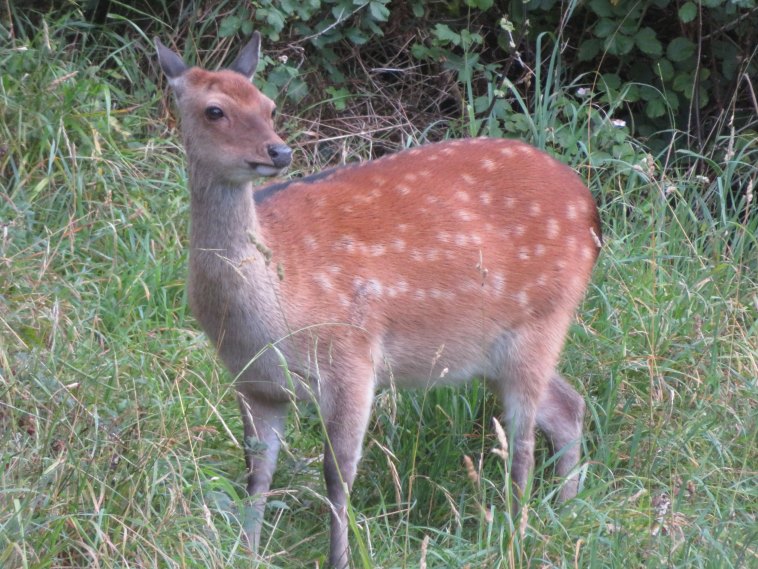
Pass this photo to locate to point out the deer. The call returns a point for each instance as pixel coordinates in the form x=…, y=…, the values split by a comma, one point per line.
x=442, y=263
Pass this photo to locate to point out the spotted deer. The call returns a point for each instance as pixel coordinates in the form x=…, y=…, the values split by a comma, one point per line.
x=441, y=263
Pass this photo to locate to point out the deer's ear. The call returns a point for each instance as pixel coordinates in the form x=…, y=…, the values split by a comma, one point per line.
x=247, y=60
x=172, y=65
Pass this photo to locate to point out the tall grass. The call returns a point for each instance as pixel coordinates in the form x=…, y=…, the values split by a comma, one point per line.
x=120, y=444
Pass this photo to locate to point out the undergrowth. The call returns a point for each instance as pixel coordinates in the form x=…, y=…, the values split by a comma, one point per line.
x=119, y=437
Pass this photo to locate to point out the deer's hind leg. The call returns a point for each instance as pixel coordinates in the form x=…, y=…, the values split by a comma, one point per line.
x=345, y=408
x=528, y=359
x=560, y=417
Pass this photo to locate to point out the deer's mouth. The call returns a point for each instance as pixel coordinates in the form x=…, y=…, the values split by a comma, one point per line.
x=265, y=169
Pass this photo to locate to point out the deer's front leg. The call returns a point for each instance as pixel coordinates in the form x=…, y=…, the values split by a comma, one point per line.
x=263, y=422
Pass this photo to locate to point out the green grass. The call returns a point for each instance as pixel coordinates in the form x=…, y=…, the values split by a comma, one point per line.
x=120, y=444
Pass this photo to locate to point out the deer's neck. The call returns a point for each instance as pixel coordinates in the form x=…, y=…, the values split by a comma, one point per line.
x=223, y=217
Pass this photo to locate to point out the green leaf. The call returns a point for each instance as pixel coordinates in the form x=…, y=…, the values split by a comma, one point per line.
x=297, y=90
x=602, y=8
x=446, y=35
x=648, y=43
x=687, y=12
x=619, y=44
x=229, y=26
x=683, y=83
x=680, y=49
x=664, y=69
x=655, y=108
x=481, y=4
x=379, y=11
x=356, y=36
x=339, y=97
x=631, y=93
x=604, y=28
x=672, y=100
x=649, y=93
x=589, y=49
x=611, y=81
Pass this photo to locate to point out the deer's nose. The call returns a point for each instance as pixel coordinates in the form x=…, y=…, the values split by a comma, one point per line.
x=280, y=154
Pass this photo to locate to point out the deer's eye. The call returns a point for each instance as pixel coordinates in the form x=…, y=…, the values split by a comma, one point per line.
x=214, y=113
x=273, y=113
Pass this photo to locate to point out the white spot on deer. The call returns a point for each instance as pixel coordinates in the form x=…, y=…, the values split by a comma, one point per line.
x=507, y=152
x=321, y=202
x=403, y=190
x=541, y=280
x=374, y=286
x=377, y=250
x=476, y=239
x=401, y=286
x=560, y=263
x=402, y=228
x=426, y=174
x=378, y=181
x=553, y=228
x=539, y=250
x=414, y=151
x=432, y=255
x=334, y=269
x=498, y=283
x=420, y=294
x=344, y=300
x=571, y=242
x=485, y=198
x=522, y=298
x=523, y=253
x=489, y=165
x=510, y=202
x=417, y=255
x=535, y=209
x=570, y=211
x=345, y=244
x=463, y=196
x=587, y=253
x=447, y=151
x=346, y=208
x=432, y=199
x=433, y=158
x=310, y=242
x=583, y=207
x=461, y=239
x=443, y=237
x=410, y=177
x=465, y=215
x=323, y=280
x=468, y=179
x=519, y=230
x=398, y=245
x=435, y=293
